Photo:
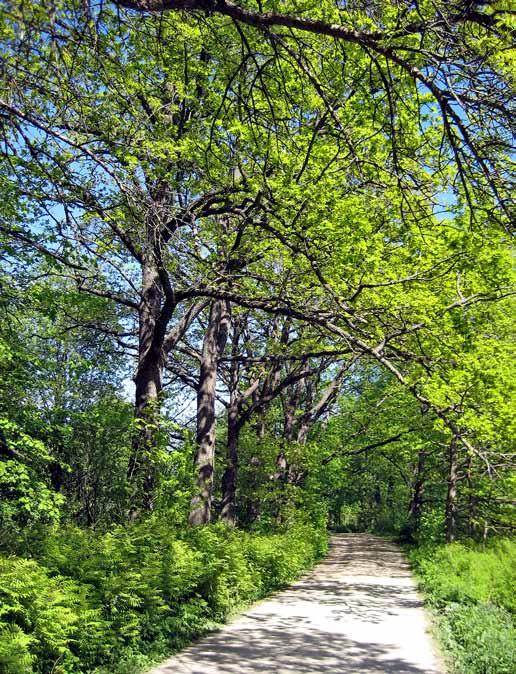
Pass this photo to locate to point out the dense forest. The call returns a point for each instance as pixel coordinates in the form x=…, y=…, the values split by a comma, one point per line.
x=256, y=284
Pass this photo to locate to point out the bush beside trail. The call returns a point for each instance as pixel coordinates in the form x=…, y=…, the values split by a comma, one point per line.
x=118, y=601
x=473, y=591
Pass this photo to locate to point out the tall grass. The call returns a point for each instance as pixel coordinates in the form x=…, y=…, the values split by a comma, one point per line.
x=473, y=590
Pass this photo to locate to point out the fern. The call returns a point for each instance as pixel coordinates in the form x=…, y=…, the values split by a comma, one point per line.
x=15, y=656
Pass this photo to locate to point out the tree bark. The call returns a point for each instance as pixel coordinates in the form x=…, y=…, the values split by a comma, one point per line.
x=213, y=346
x=235, y=424
x=290, y=407
x=472, y=498
x=148, y=381
x=451, y=497
x=229, y=479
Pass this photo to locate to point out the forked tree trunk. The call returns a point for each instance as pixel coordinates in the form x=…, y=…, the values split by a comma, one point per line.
x=451, y=496
x=213, y=346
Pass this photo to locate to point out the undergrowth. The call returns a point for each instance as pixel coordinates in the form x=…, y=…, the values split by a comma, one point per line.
x=472, y=590
x=116, y=602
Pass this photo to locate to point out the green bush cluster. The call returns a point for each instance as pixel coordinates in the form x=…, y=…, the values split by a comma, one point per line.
x=473, y=590
x=481, y=639
x=116, y=601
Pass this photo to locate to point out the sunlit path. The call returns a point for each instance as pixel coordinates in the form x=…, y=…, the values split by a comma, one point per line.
x=358, y=611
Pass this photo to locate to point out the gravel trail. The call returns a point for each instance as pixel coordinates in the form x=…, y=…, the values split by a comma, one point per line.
x=357, y=612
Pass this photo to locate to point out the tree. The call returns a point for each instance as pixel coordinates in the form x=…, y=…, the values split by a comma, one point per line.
x=280, y=172
x=452, y=50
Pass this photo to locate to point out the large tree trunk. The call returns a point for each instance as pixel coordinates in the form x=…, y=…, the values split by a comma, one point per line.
x=213, y=346
x=290, y=406
x=235, y=424
x=148, y=381
x=229, y=479
x=451, y=497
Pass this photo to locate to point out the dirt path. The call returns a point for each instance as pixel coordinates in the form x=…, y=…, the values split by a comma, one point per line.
x=356, y=613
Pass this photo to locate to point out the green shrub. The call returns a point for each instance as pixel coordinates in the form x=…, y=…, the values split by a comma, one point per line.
x=128, y=662
x=473, y=590
x=481, y=639
x=39, y=616
x=281, y=558
x=457, y=573
x=15, y=657
x=117, y=601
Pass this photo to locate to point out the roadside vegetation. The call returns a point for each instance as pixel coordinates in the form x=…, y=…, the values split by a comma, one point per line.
x=117, y=602
x=471, y=589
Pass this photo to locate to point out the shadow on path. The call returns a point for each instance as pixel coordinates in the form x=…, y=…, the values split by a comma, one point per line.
x=357, y=612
